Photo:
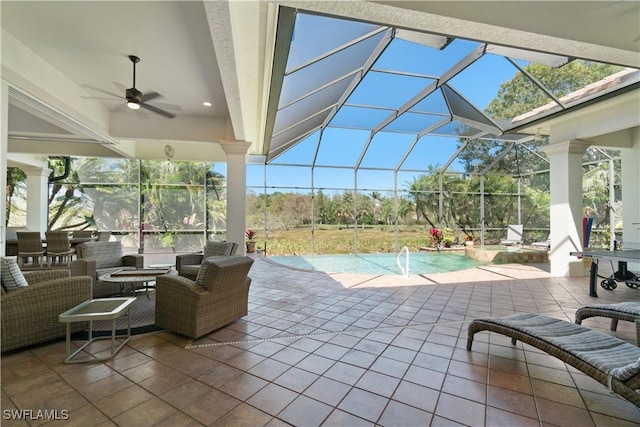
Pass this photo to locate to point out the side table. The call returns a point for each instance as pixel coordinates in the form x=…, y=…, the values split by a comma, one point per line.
x=98, y=309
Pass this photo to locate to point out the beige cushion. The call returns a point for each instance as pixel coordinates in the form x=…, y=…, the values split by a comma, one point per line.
x=11, y=276
x=217, y=249
x=207, y=263
x=106, y=254
x=224, y=270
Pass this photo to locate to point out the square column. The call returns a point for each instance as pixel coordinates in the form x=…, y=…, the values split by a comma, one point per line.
x=236, y=191
x=37, y=198
x=566, y=206
x=4, y=144
x=631, y=196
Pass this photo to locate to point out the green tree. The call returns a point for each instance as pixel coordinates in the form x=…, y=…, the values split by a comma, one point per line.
x=15, y=179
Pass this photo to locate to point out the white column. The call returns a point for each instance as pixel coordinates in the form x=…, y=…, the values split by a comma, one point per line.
x=631, y=196
x=236, y=191
x=37, y=198
x=4, y=137
x=566, y=206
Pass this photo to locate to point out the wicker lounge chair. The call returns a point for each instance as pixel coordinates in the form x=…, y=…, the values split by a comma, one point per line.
x=609, y=360
x=219, y=296
x=98, y=258
x=629, y=311
x=188, y=265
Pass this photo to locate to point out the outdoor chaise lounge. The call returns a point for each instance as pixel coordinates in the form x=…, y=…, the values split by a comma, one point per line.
x=546, y=244
x=611, y=361
x=514, y=235
x=629, y=311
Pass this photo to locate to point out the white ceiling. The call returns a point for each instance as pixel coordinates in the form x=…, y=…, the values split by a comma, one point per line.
x=56, y=54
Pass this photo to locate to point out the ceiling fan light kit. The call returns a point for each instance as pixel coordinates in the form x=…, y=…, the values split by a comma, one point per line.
x=137, y=100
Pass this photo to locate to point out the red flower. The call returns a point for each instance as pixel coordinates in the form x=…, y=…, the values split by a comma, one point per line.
x=436, y=234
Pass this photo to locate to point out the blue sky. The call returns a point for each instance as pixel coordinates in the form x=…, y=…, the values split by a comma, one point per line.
x=403, y=70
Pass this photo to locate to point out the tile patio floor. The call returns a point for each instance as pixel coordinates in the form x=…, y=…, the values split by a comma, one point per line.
x=338, y=350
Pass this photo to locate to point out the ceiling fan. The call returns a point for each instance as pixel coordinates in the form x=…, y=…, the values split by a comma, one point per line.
x=137, y=100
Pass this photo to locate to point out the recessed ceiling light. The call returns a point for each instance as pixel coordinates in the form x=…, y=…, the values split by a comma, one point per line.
x=206, y=104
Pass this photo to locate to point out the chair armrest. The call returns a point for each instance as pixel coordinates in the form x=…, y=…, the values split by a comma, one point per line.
x=176, y=289
x=65, y=292
x=188, y=259
x=34, y=277
x=135, y=260
x=83, y=267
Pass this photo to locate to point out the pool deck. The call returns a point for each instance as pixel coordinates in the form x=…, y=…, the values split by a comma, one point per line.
x=340, y=350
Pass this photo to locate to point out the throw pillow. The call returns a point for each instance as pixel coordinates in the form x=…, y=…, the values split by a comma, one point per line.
x=11, y=276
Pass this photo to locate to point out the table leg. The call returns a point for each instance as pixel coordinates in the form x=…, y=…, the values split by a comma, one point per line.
x=593, y=278
x=68, y=339
x=113, y=336
x=129, y=322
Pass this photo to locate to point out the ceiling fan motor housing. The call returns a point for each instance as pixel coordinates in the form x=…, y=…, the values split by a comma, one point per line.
x=134, y=95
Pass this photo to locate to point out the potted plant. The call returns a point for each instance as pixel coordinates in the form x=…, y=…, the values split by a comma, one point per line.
x=251, y=245
x=436, y=237
x=448, y=238
x=468, y=240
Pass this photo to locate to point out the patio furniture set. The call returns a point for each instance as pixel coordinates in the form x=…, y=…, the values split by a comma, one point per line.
x=36, y=305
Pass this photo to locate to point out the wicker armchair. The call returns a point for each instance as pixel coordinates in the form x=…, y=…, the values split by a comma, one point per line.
x=219, y=296
x=188, y=265
x=30, y=314
x=98, y=258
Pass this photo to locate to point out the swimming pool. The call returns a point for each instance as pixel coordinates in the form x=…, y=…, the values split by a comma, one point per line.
x=385, y=263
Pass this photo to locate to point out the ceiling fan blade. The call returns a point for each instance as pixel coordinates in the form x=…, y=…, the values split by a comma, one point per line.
x=166, y=106
x=103, y=91
x=100, y=98
x=157, y=110
x=122, y=88
x=149, y=96
x=141, y=114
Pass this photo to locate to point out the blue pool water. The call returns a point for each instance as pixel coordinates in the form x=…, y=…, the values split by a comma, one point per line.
x=420, y=263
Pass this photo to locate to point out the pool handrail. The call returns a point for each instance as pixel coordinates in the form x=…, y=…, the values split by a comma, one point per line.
x=405, y=270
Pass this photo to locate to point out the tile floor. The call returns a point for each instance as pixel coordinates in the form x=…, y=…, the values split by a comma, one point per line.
x=336, y=350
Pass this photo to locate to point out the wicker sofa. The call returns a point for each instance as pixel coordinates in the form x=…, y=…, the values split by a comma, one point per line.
x=98, y=258
x=30, y=314
x=609, y=360
x=188, y=265
x=219, y=296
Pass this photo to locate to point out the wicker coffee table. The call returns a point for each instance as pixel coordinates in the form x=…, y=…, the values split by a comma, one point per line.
x=98, y=309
